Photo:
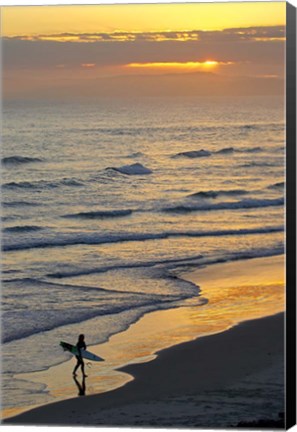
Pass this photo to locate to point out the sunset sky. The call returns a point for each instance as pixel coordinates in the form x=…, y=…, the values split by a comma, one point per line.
x=122, y=50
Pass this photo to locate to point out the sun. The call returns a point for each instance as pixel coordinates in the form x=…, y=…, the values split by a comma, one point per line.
x=210, y=63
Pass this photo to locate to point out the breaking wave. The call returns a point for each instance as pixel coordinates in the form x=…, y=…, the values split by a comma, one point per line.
x=195, y=261
x=92, y=239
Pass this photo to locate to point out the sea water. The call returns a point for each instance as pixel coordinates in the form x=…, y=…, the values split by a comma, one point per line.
x=103, y=202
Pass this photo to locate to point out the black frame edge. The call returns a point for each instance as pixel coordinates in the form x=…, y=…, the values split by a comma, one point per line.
x=290, y=336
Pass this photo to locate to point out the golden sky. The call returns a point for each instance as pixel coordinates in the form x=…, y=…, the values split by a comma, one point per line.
x=28, y=20
x=210, y=48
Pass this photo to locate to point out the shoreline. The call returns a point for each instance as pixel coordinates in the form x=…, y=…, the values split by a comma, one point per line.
x=215, y=322
x=155, y=382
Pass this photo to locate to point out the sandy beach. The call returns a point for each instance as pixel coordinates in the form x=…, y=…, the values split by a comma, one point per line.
x=242, y=367
x=234, y=375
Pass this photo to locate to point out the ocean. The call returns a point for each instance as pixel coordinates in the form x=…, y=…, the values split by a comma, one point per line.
x=103, y=203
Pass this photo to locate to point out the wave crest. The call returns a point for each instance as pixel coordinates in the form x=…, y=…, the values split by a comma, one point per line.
x=244, y=204
x=19, y=160
x=43, y=184
x=279, y=185
x=22, y=228
x=100, y=214
x=19, y=204
x=215, y=194
x=134, y=169
x=194, y=154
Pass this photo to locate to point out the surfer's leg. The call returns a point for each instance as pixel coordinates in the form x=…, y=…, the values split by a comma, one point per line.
x=83, y=369
x=76, y=366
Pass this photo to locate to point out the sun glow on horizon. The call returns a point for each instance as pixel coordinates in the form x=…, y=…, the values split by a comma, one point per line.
x=191, y=65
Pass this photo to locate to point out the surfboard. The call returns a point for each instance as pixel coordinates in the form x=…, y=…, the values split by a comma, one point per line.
x=85, y=354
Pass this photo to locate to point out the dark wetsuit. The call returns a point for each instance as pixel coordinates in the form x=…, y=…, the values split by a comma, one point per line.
x=80, y=362
x=80, y=346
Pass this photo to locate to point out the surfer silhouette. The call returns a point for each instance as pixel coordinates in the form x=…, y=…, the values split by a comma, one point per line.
x=80, y=363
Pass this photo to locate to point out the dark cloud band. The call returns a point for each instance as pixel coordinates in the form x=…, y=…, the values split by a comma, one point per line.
x=227, y=35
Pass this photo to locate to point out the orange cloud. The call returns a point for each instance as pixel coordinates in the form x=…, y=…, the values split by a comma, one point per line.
x=88, y=65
